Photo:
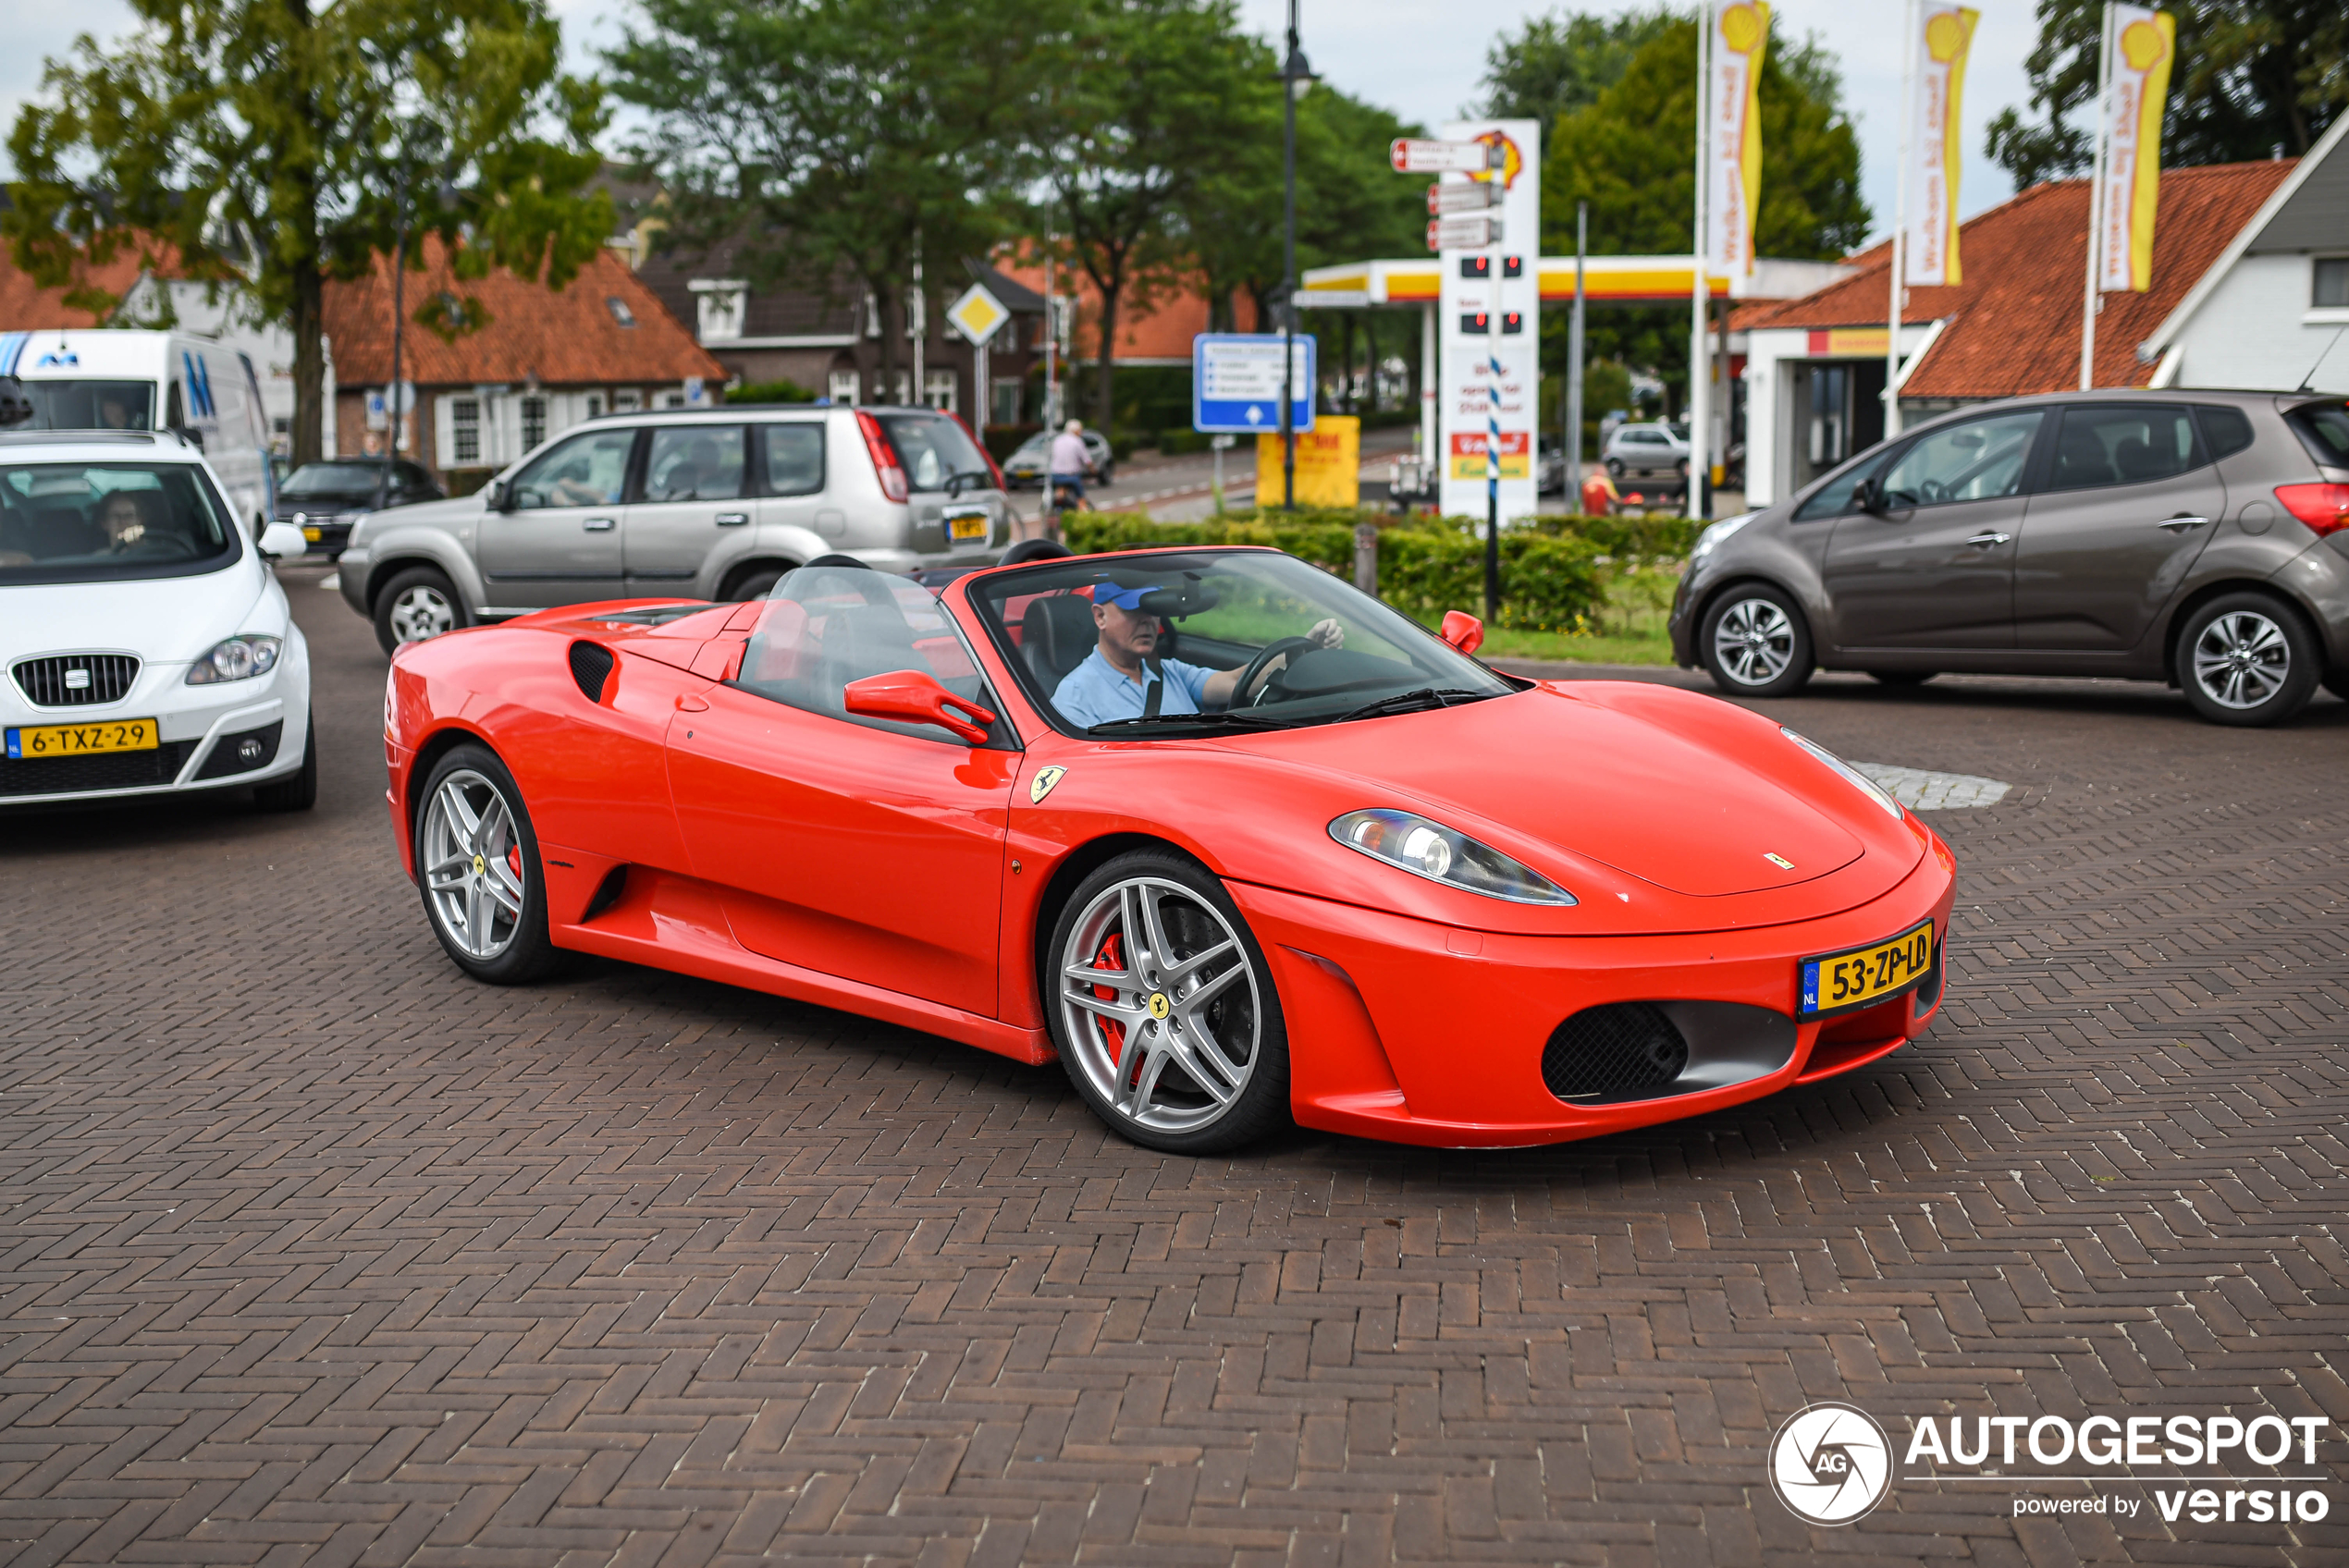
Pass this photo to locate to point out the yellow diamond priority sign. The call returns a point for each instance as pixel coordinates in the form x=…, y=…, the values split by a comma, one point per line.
x=977, y=315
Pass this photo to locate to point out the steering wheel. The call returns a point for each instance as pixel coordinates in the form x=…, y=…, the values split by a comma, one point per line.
x=1262, y=661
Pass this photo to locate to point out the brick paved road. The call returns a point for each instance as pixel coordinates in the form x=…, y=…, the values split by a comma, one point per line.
x=316, y=1253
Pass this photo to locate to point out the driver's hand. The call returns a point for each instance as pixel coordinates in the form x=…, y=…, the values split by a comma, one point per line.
x=1328, y=633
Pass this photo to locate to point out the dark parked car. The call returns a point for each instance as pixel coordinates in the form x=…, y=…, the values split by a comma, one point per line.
x=321, y=498
x=2200, y=538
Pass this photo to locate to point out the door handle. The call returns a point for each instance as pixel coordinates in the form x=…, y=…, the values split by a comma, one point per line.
x=732, y=520
x=599, y=525
x=1990, y=541
x=2179, y=524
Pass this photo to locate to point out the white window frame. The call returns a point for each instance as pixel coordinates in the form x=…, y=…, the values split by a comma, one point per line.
x=942, y=390
x=845, y=387
x=719, y=304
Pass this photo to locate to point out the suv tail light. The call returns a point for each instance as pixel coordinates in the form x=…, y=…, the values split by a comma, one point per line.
x=992, y=466
x=2324, y=507
x=886, y=467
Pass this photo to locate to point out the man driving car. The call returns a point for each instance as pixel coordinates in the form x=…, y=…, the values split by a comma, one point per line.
x=1122, y=677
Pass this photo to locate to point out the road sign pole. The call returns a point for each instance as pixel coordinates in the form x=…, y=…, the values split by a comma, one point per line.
x=1494, y=319
x=1288, y=270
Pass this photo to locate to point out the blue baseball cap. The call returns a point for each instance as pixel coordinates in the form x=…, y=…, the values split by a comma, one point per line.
x=1123, y=597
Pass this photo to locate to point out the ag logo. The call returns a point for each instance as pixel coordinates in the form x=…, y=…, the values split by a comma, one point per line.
x=1830, y=1463
x=1041, y=785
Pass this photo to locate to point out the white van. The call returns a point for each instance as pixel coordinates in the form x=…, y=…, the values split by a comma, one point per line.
x=101, y=379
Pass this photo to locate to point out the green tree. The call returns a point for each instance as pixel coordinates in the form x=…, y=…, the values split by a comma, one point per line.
x=2252, y=81
x=270, y=145
x=1627, y=154
x=1556, y=65
x=824, y=141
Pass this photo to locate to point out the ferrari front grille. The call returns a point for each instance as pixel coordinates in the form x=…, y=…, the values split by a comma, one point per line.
x=1623, y=1050
x=72, y=681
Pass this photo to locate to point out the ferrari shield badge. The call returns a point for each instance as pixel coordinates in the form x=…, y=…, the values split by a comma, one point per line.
x=1778, y=860
x=1041, y=785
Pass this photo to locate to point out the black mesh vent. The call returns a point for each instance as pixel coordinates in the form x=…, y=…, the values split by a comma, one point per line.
x=1623, y=1050
x=107, y=770
x=72, y=681
x=591, y=666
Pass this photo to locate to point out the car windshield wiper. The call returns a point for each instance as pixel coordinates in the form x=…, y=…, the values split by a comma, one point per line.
x=1413, y=701
x=1149, y=723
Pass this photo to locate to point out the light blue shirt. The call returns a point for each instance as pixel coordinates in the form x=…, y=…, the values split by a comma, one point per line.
x=1097, y=692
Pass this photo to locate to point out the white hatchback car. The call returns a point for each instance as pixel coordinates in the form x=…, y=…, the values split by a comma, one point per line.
x=147, y=645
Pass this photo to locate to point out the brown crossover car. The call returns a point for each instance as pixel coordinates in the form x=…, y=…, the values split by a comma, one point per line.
x=2199, y=538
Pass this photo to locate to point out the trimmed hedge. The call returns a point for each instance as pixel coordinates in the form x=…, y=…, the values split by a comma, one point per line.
x=1549, y=583
x=784, y=391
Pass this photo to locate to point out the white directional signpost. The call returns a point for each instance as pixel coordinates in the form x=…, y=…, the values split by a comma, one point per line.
x=1236, y=383
x=979, y=316
x=1489, y=193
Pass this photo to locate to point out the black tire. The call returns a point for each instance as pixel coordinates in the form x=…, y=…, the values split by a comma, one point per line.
x=419, y=597
x=526, y=955
x=1175, y=1114
x=1034, y=550
x=1902, y=677
x=2248, y=659
x=1614, y=468
x=1109, y=475
x=1767, y=657
x=754, y=581
x=2337, y=682
x=299, y=790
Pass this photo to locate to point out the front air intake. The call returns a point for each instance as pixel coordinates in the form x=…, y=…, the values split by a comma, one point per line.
x=1621, y=1051
x=591, y=666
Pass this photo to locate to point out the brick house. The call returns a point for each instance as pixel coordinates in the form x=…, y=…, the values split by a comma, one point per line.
x=544, y=361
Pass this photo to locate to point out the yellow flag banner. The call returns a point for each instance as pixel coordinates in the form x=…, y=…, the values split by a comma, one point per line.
x=1935, y=144
x=1733, y=151
x=2142, y=44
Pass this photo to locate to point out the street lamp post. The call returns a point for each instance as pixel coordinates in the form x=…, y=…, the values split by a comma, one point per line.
x=1295, y=77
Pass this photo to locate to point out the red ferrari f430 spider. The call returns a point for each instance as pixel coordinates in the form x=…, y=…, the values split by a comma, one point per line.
x=1234, y=843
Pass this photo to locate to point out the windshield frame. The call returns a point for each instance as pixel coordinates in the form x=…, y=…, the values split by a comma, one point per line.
x=85, y=571
x=1000, y=583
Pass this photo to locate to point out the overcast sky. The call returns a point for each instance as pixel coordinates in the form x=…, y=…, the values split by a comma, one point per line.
x=1396, y=52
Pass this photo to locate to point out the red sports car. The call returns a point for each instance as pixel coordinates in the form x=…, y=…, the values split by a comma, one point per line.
x=1234, y=843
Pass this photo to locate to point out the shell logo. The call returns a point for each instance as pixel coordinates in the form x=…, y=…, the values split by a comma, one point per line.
x=1512, y=159
x=1944, y=37
x=1741, y=28
x=2141, y=45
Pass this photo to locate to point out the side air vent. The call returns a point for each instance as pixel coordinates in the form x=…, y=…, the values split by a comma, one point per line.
x=1623, y=1050
x=608, y=891
x=591, y=666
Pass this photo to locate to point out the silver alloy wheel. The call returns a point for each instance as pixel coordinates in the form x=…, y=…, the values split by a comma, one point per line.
x=1173, y=1044
x=471, y=853
x=421, y=613
x=1754, y=642
x=2242, y=659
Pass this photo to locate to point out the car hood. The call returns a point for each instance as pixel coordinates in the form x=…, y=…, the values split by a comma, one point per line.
x=164, y=621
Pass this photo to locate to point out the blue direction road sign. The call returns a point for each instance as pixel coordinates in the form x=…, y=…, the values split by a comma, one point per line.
x=1236, y=383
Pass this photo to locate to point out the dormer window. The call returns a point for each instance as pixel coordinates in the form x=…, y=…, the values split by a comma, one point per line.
x=719, y=308
x=619, y=311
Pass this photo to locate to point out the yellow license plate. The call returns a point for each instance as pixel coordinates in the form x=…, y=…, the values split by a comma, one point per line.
x=313, y=535
x=36, y=742
x=963, y=530
x=1864, y=976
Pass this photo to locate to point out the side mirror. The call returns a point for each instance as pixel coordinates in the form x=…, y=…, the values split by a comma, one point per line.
x=15, y=407
x=1867, y=497
x=1463, y=631
x=499, y=496
x=284, y=541
x=913, y=696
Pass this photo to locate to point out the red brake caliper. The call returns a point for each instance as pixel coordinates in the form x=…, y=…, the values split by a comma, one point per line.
x=1112, y=956
x=513, y=859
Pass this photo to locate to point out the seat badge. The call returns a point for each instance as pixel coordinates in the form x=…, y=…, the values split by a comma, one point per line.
x=1041, y=785
x=1778, y=860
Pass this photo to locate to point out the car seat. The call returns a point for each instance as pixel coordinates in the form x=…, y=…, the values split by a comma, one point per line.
x=1056, y=633
x=2080, y=460
x=63, y=531
x=2138, y=461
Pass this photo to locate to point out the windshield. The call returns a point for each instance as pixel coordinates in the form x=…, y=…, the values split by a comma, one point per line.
x=333, y=479
x=106, y=522
x=934, y=450
x=90, y=405
x=1243, y=640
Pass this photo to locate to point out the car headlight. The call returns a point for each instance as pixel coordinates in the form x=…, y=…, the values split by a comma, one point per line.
x=240, y=658
x=358, y=524
x=1717, y=535
x=1414, y=843
x=1859, y=780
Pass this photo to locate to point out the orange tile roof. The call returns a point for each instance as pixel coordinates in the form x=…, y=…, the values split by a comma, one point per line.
x=1163, y=331
x=24, y=304
x=567, y=338
x=2014, y=322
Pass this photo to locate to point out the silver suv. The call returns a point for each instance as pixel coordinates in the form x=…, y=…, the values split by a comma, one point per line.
x=713, y=504
x=2199, y=538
